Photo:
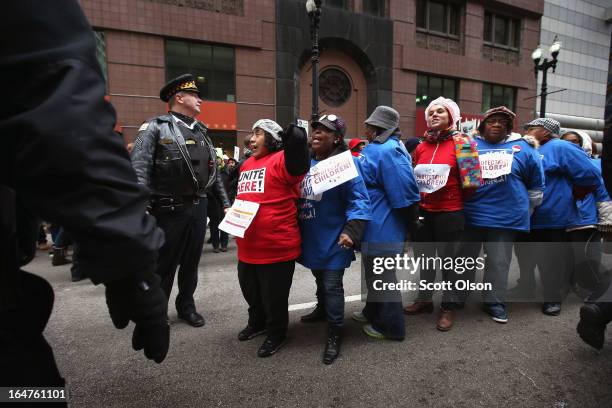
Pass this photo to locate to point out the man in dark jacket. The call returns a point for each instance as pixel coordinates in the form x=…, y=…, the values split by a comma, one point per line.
x=63, y=163
x=175, y=158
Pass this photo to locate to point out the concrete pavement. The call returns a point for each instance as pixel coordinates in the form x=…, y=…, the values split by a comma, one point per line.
x=533, y=361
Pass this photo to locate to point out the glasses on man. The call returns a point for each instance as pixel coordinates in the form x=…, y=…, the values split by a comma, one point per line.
x=503, y=122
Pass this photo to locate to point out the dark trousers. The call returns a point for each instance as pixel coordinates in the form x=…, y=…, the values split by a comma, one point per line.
x=25, y=356
x=185, y=230
x=62, y=239
x=215, y=215
x=527, y=261
x=266, y=290
x=330, y=294
x=552, y=255
x=497, y=244
x=42, y=235
x=439, y=236
x=586, y=268
x=383, y=307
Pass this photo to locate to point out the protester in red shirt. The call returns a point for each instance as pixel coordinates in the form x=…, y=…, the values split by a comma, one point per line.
x=271, y=244
x=442, y=177
x=356, y=145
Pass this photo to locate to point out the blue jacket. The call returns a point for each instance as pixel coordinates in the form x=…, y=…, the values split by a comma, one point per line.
x=503, y=202
x=565, y=166
x=322, y=219
x=387, y=173
x=587, y=207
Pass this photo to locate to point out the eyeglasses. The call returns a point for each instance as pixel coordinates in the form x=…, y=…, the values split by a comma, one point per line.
x=331, y=118
x=503, y=122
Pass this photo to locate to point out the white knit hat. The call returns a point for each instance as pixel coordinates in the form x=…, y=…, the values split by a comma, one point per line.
x=450, y=105
x=269, y=126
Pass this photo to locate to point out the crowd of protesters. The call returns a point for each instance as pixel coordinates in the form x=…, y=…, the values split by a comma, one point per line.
x=452, y=195
x=448, y=193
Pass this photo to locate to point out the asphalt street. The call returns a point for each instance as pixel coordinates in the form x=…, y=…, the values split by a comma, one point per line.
x=533, y=361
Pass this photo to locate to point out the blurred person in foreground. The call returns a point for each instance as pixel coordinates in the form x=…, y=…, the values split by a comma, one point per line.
x=66, y=165
x=597, y=312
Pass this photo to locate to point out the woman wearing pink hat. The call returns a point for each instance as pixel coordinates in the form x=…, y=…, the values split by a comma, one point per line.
x=446, y=168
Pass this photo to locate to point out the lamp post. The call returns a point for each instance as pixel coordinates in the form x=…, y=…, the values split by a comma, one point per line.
x=313, y=7
x=544, y=66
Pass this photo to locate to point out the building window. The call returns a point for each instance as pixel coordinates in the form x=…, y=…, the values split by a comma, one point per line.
x=431, y=87
x=374, y=7
x=101, y=52
x=343, y=4
x=212, y=65
x=498, y=95
x=439, y=17
x=502, y=31
x=334, y=87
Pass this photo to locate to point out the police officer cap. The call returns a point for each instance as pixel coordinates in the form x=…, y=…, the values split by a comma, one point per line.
x=183, y=83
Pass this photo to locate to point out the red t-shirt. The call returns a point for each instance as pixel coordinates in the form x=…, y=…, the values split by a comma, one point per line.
x=274, y=235
x=449, y=197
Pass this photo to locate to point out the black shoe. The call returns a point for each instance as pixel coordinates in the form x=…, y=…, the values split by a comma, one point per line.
x=551, y=308
x=317, y=315
x=77, y=278
x=216, y=250
x=332, y=347
x=59, y=257
x=193, y=319
x=270, y=346
x=249, y=332
x=592, y=325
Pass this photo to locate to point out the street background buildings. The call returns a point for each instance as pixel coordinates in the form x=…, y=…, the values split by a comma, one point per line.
x=580, y=81
x=253, y=58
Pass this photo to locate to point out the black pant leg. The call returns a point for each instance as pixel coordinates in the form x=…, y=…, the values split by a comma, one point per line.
x=25, y=356
x=447, y=229
x=188, y=271
x=275, y=283
x=249, y=284
x=214, y=215
x=175, y=227
x=526, y=257
x=423, y=247
x=553, y=262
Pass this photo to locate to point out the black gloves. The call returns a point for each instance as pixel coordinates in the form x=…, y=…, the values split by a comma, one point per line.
x=142, y=301
x=411, y=215
x=297, y=159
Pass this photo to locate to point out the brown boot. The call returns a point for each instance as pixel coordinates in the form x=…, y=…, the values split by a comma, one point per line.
x=446, y=319
x=59, y=257
x=419, y=307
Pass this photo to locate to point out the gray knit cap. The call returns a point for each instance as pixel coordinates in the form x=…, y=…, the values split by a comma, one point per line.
x=551, y=125
x=386, y=118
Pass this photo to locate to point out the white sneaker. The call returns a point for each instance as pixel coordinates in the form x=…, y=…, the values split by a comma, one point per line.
x=359, y=317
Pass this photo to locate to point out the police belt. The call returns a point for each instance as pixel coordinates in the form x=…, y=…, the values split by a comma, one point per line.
x=165, y=204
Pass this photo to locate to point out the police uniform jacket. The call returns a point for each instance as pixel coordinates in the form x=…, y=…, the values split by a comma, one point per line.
x=160, y=158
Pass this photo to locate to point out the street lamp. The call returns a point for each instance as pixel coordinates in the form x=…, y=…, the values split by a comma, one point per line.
x=543, y=66
x=313, y=7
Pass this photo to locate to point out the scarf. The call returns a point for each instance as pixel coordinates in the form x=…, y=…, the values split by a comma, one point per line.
x=435, y=136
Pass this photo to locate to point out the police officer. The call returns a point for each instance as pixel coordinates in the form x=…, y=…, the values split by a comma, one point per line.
x=175, y=158
x=62, y=162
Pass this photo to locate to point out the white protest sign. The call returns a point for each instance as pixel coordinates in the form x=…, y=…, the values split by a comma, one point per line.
x=306, y=189
x=332, y=172
x=495, y=164
x=239, y=217
x=303, y=124
x=252, y=181
x=431, y=177
x=236, y=153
